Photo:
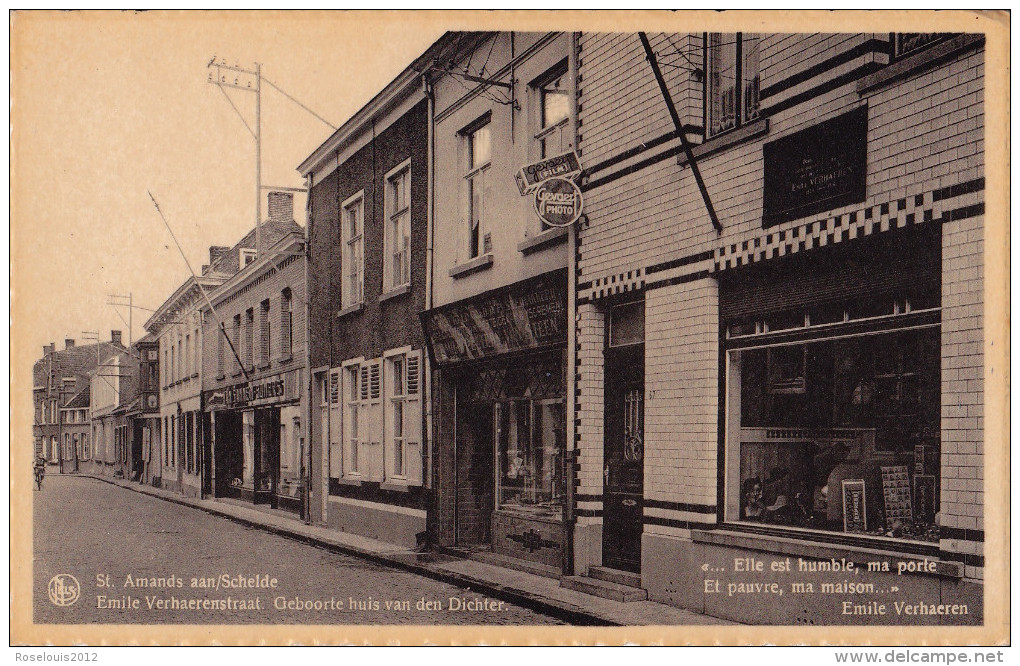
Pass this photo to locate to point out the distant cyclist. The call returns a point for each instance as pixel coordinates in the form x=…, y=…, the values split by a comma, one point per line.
x=40, y=471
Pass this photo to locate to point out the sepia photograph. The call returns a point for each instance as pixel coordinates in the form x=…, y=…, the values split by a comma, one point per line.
x=543, y=328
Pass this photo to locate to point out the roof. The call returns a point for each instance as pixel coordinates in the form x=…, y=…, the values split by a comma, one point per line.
x=80, y=400
x=77, y=361
x=408, y=80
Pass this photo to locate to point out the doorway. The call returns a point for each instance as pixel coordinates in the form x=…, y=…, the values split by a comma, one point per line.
x=475, y=478
x=229, y=457
x=267, y=456
x=623, y=472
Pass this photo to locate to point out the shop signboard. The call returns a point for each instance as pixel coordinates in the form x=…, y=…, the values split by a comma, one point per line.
x=558, y=202
x=527, y=315
x=257, y=392
x=816, y=169
x=565, y=165
x=855, y=510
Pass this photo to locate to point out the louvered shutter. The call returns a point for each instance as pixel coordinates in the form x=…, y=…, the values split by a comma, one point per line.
x=336, y=434
x=374, y=435
x=412, y=420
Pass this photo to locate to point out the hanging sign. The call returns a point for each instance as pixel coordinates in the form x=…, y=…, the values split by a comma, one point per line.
x=565, y=165
x=558, y=202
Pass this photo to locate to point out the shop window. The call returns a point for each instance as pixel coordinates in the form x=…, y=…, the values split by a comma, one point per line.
x=286, y=322
x=479, y=157
x=732, y=83
x=353, y=260
x=397, y=236
x=403, y=416
x=551, y=92
x=838, y=434
x=530, y=444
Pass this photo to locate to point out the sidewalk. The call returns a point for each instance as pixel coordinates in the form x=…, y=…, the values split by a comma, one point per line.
x=524, y=589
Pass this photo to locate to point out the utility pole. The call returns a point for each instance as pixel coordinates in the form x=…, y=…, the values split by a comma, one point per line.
x=129, y=305
x=248, y=80
x=89, y=336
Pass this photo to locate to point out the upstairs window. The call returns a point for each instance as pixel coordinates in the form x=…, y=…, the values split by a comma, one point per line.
x=286, y=322
x=732, y=83
x=397, y=241
x=552, y=95
x=249, y=338
x=353, y=251
x=479, y=157
x=235, y=339
x=265, y=339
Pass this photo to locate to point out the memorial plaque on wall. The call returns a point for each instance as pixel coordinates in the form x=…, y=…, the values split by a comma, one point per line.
x=855, y=510
x=896, y=493
x=816, y=169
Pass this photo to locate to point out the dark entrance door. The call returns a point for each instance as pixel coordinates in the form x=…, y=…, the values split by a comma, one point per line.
x=229, y=458
x=475, y=475
x=267, y=455
x=136, y=450
x=623, y=473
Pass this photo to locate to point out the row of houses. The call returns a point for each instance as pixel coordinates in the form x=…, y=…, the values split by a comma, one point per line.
x=763, y=337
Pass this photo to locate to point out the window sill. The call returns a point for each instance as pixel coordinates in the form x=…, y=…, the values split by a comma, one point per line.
x=349, y=482
x=728, y=139
x=264, y=366
x=547, y=238
x=396, y=486
x=911, y=64
x=481, y=263
x=396, y=291
x=284, y=360
x=819, y=550
x=351, y=309
x=220, y=376
x=236, y=374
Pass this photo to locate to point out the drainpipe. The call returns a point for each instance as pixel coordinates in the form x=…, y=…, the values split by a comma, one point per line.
x=306, y=413
x=432, y=507
x=569, y=460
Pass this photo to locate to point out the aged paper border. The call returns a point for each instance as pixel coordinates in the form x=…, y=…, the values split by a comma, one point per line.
x=28, y=308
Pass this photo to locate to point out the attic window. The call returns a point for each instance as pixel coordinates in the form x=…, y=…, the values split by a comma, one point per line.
x=247, y=256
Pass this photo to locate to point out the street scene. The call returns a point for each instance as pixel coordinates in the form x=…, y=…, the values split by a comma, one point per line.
x=133, y=539
x=517, y=327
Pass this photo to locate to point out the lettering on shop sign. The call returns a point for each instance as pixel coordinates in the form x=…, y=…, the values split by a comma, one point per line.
x=855, y=512
x=816, y=169
x=558, y=202
x=528, y=177
x=527, y=315
x=261, y=390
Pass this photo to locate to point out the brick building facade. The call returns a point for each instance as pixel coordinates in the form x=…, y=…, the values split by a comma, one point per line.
x=807, y=380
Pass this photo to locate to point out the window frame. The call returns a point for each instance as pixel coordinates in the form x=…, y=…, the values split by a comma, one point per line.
x=475, y=173
x=392, y=215
x=738, y=91
x=286, y=322
x=541, y=131
x=347, y=241
x=265, y=332
x=353, y=411
x=410, y=439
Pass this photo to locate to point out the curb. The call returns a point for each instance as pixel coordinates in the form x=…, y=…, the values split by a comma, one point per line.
x=574, y=615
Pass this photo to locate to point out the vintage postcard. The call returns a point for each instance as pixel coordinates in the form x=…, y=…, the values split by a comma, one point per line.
x=551, y=328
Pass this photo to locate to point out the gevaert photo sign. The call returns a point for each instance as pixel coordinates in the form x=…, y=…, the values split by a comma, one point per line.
x=509, y=328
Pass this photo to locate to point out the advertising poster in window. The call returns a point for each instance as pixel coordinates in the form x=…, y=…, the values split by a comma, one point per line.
x=510, y=328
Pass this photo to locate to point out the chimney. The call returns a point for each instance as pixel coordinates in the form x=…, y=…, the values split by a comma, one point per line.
x=49, y=349
x=68, y=343
x=115, y=338
x=281, y=206
x=215, y=252
x=205, y=269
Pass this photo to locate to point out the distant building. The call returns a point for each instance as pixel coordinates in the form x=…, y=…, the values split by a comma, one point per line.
x=60, y=377
x=112, y=389
x=143, y=413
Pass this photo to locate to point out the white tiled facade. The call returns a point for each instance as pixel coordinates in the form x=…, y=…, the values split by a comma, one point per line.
x=648, y=232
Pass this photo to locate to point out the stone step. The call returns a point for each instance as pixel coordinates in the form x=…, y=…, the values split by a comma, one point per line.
x=603, y=588
x=628, y=578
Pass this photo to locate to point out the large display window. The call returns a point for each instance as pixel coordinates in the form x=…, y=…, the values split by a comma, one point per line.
x=530, y=442
x=839, y=430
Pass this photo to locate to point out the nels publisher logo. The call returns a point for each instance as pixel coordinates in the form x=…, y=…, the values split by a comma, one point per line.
x=64, y=590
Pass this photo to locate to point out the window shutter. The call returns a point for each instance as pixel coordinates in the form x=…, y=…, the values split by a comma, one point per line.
x=374, y=435
x=412, y=420
x=336, y=435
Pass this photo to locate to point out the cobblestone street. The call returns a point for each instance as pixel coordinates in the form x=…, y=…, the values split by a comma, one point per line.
x=101, y=533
